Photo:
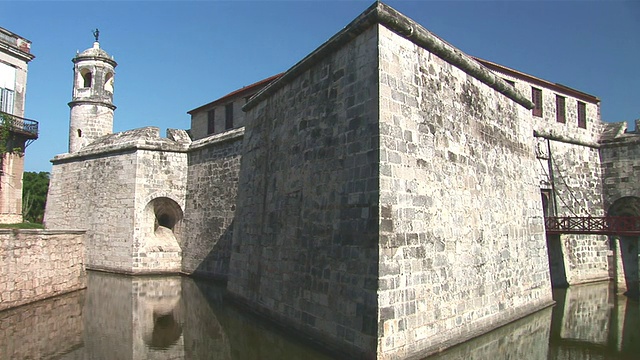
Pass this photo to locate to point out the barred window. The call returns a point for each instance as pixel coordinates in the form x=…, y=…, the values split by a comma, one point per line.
x=560, y=109
x=536, y=98
x=582, y=115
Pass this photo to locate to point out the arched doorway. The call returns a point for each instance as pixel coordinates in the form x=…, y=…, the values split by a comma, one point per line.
x=625, y=249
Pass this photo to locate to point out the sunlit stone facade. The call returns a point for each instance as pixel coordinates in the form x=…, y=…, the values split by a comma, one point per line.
x=386, y=195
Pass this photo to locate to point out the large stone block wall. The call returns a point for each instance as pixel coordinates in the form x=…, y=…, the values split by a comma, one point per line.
x=620, y=168
x=127, y=190
x=37, y=264
x=214, y=164
x=462, y=246
x=96, y=194
x=304, y=246
x=47, y=329
x=578, y=192
x=161, y=179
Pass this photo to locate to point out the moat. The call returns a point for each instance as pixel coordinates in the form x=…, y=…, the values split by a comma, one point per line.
x=176, y=317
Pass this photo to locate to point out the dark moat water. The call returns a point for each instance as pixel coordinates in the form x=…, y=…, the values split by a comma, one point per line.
x=121, y=317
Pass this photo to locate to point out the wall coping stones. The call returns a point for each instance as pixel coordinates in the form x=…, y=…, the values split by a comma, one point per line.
x=380, y=13
x=146, y=138
x=43, y=231
x=231, y=135
x=616, y=134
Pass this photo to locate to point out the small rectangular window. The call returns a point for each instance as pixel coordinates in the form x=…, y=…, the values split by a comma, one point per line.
x=6, y=100
x=560, y=109
x=228, y=119
x=211, y=117
x=582, y=115
x=536, y=98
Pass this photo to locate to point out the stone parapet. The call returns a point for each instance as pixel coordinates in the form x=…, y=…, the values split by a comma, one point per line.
x=146, y=138
x=37, y=264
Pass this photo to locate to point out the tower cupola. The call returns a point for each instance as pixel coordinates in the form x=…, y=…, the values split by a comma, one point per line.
x=92, y=100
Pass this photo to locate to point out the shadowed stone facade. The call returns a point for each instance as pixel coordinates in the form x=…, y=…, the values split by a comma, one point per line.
x=386, y=195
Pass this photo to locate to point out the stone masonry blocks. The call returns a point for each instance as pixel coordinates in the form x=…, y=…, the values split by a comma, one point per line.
x=462, y=244
x=37, y=264
x=304, y=247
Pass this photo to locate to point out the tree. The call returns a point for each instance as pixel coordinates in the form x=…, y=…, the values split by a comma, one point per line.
x=34, y=195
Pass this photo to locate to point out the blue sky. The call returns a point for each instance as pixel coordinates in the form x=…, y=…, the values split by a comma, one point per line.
x=175, y=56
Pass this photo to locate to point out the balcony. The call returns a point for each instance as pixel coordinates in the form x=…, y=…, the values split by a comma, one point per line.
x=25, y=127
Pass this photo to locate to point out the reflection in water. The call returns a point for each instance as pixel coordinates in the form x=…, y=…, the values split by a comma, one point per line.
x=592, y=322
x=172, y=317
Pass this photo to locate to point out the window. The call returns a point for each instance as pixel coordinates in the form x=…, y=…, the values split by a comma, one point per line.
x=6, y=100
x=211, y=117
x=7, y=87
x=536, y=98
x=86, y=78
x=228, y=118
x=108, y=82
x=560, y=109
x=582, y=115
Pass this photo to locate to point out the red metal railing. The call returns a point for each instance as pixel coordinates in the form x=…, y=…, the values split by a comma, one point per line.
x=609, y=225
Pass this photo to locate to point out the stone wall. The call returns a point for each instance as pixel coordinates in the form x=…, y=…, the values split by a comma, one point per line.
x=43, y=330
x=88, y=122
x=200, y=119
x=304, y=248
x=462, y=246
x=621, y=168
x=96, y=194
x=212, y=180
x=37, y=264
x=578, y=192
x=127, y=190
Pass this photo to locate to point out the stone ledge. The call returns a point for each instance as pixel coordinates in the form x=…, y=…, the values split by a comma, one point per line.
x=231, y=135
x=44, y=231
x=147, y=138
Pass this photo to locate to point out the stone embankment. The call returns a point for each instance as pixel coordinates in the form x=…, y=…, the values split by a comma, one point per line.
x=37, y=264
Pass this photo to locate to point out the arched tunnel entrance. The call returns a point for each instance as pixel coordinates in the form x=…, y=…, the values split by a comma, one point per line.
x=160, y=237
x=625, y=249
x=167, y=218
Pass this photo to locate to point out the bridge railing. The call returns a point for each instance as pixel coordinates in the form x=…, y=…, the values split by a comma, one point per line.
x=608, y=225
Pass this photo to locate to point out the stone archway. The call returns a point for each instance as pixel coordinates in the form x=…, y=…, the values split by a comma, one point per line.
x=167, y=216
x=161, y=237
x=625, y=249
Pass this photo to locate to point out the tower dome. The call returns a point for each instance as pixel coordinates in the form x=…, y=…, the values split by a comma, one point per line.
x=92, y=100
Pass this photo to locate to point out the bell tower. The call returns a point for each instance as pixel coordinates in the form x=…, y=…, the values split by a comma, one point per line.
x=92, y=102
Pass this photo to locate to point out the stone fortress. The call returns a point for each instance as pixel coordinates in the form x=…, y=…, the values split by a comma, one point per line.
x=386, y=195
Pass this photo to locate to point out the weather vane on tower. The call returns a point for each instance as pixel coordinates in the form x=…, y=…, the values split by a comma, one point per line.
x=96, y=34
